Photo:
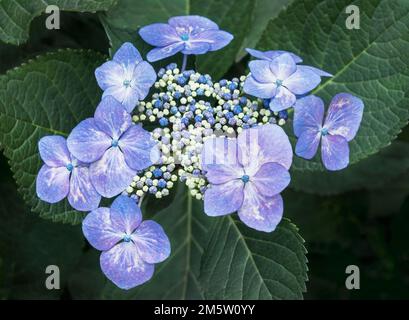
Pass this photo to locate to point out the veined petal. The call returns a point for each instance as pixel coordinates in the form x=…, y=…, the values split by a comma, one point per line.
x=126, y=215
x=302, y=81
x=52, y=184
x=82, y=195
x=334, y=152
x=127, y=54
x=193, y=21
x=152, y=242
x=112, y=118
x=271, y=55
x=222, y=199
x=261, y=72
x=164, y=52
x=159, y=34
x=307, y=144
x=99, y=231
x=111, y=175
x=139, y=148
x=344, y=115
x=318, y=72
x=110, y=74
x=87, y=142
x=124, y=266
x=196, y=47
x=308, y=115
x=144, y=77
x=271, y=179
x=53, y=151
x=216, y=39
x=258, y=89
x=283, y=100
x=283, y=66
x=260, y=212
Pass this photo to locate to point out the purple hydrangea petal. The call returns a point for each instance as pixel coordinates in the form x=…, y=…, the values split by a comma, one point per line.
x=52, y=184
x=271, y=179
x=112, y=118
x=126, y=215
x=334, y=152
x=216, y=39
x=283, y=66
x=259, y=212
x=152, y=242
x=194, y=21
x=144, y=77
x=53, y=151
x=271, y=55
x=302, y=81
x=164, y=52
x=307, y=144
x=267, y=143
x=344, y=115
x=258, y=89
x=283, y=100
x=124, y=267
x=159, y=34
x=222, y=199
x=318, y=72
x=219, y=173
x=308, y=115
x=139, y=148
x=99, y=230
x=196, y=47
x=261, y=72
x=111, y=175
x=127, y=54
x=110, y=74
x=82, y=195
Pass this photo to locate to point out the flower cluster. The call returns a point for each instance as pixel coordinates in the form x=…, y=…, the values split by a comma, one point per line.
x=223, y=139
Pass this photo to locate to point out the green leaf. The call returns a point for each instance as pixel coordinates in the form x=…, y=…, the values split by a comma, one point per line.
x=370, y=62
x=49, y=95
x=241, y=263
x=16, y=15
x=123, y=21
x=365, y=174
x=187, y=227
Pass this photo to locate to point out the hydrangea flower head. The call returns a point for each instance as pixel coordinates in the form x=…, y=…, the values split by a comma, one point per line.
x=247, y=175
x=340, y=126
x=186, y=34
x=281, y=80
x=64, y=176
x=127, y=77
x=114, y=146
x=130, y=247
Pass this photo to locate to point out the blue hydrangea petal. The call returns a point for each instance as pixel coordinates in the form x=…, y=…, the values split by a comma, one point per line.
x=152, y=242
x=165, y=52
x=99, y=230
x=318, y=72
x=139, y=148
x=111, y=175
x=124, y=266
x=283, y=66
x=127, y=54
x=110, y=74
x=308, y=114
x=159, y=34
x=193, y=21
x=334, y=152
x=271, y=179
x=344, y=115
x=307, y=144
x=52, y=184
x=87, y=142
x=302, y=81
x=216, y=39
x=260, y=212
x=126, y=215
x=271, y=55
x=222, y=199
x=261, y=71
x=112, y=118
x=125, y=95
x=82, y=195
x=144, y=78
x=196, y=47
x=283, y=100
x=258, y=89
x=53, y=151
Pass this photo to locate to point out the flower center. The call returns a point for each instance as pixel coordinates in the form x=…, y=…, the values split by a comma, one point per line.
x=245, y=178
x=279, y=83
x=69, y=167
x=114, y=143
x=127, y=83
x=127, y=238
x=184, y=37
x=324, y=131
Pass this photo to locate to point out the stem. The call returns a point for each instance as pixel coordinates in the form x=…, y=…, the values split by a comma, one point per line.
x=140, y=200
x=184, y=63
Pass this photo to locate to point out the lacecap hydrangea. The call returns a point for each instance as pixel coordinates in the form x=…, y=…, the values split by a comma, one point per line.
x=223, y=139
